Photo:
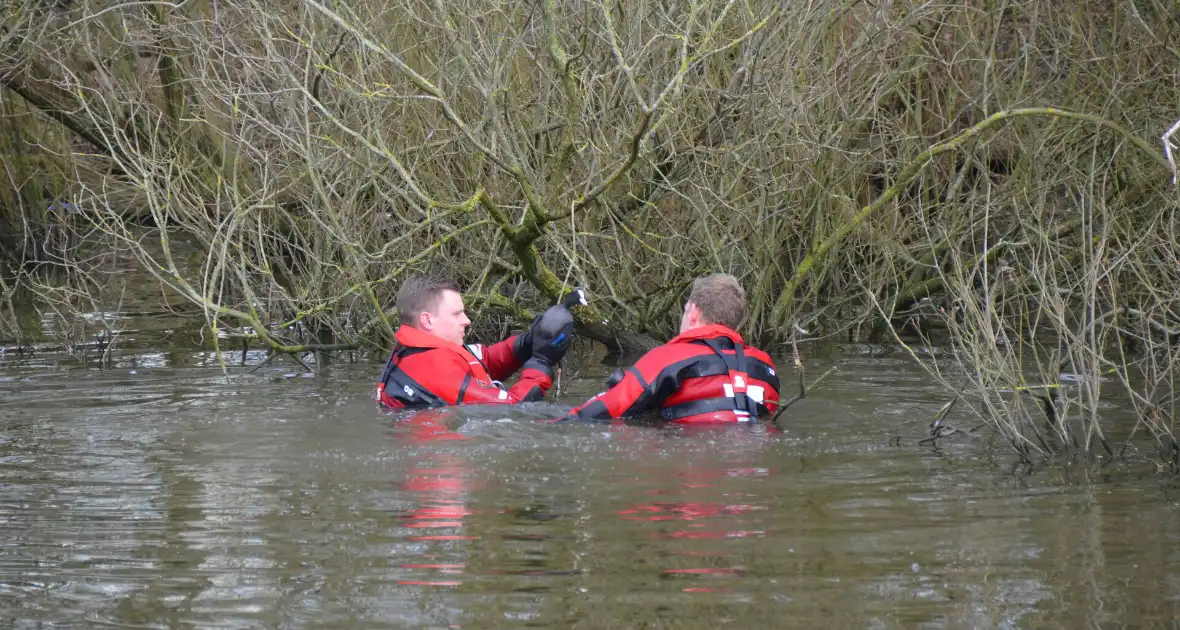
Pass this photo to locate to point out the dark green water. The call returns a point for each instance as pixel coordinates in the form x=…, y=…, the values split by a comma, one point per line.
x=155, y=494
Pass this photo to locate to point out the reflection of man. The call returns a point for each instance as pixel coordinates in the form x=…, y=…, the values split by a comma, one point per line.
x=705, y=374
x=438, y=483
x=431, y=367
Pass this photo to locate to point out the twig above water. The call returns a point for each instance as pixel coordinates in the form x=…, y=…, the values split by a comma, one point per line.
x=270, y=355
x=802, y=391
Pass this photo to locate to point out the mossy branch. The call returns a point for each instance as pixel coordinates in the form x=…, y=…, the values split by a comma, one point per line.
x=58, y=105
x=641, y=126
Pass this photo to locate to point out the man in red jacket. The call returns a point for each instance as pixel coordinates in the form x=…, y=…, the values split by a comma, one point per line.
x=431, y=367
x=706, y=374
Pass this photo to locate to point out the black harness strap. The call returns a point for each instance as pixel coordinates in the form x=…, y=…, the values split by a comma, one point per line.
x=463, y=389
x=401, y=387
x=391, y=365
x=740, y=401
x=696, y=407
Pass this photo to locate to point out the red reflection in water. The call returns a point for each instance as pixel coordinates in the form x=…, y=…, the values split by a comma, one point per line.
x=442, y=490
x=441, y=484
x=429, y=425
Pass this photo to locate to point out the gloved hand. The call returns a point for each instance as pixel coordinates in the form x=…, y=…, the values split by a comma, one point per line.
x=524, y=341
x=551, y=334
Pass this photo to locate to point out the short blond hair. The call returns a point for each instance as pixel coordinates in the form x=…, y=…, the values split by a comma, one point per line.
x=720, y=298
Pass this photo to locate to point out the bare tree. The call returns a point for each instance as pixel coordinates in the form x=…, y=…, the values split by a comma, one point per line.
x=279, y=166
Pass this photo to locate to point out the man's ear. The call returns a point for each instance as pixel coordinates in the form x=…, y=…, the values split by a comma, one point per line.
x=425, y=321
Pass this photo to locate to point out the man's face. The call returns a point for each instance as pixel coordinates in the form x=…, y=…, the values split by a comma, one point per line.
x=450, y=321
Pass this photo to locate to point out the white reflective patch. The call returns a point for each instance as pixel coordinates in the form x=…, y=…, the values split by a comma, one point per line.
x=738, y=381
x=771, y=370
x=476, y=349
x=742, y=416
x=756, y=392
x=728, y=390
x=503, y=395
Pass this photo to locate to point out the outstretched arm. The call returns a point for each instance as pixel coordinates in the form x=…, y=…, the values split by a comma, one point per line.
x=503, y=359
x=547, y=340
x=438, y=377
x=531, y=386
x=632, y=395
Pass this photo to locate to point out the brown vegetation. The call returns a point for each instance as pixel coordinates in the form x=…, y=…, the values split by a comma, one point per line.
x=851, y=162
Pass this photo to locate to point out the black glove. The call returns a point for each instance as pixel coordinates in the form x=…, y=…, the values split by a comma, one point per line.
x=524, y=342
x=552, y=333
x=559, y=330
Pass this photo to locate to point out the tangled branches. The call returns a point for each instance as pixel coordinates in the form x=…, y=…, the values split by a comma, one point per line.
x=278, y=166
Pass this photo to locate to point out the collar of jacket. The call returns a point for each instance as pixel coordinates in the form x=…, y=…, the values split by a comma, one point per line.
x=415, y=338
x=708, y=332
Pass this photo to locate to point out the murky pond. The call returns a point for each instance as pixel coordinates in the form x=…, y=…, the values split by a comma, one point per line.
x=155, y=493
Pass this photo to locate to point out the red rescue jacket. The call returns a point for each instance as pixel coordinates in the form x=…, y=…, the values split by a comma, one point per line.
x=427, y=371
x=704, y=375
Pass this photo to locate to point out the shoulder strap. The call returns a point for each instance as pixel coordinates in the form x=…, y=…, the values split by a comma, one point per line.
x=399, y=352
x=738, y=373
x=391, y=364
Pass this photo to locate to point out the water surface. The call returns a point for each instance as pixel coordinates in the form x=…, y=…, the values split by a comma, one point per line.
x=159, y=493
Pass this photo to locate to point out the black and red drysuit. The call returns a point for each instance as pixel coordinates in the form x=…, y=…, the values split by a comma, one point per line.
x=704, y=375
x=427, y=371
